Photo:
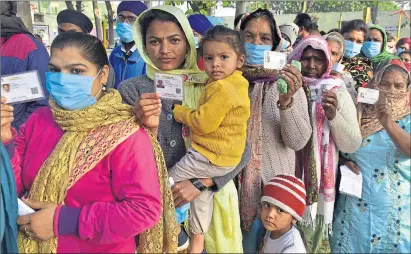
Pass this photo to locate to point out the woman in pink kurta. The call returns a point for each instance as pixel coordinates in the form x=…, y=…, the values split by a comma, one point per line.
x=106, y=205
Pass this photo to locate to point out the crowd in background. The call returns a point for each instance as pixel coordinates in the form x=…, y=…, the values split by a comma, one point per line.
x=249, y=161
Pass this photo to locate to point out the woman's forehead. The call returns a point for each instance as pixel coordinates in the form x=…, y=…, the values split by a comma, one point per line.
x=162, y=28
x=67, y=56
x=260, y=24
x=310, y=51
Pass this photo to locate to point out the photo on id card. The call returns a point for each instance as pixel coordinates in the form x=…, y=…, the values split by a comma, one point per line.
x=22, y=87
x=169, y=86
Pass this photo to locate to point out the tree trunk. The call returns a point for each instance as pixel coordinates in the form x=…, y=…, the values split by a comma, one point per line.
x=374, y=13
x=78, y=6
x=97, y=20
x=69, y=5
x=195, y=6
x=110, y=24
x=24, y=12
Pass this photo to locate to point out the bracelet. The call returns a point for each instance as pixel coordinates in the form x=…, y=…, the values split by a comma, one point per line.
x=286, y=107
x=198, y=184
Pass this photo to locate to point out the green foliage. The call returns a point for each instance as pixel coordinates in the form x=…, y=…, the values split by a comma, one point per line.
x=292, y=7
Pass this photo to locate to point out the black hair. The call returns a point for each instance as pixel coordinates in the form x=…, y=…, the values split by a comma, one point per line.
x=261, y=13
x=304, y=20
x=322, y=33
x=223, y=34
x=335, y=30
x=90, y=47
x=404, y=73
x=237, y=19
x=152, y=15
x=405, y=52
x=354, y=25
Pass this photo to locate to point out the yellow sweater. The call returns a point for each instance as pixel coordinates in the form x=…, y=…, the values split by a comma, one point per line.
x=219, y=125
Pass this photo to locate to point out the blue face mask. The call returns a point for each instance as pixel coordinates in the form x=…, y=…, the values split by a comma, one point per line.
x=285, y=45
x=125, y=31
x=255, y=53
x=351, y=49
x=399, y=51
x=196, y=42
x=69, y=91
x=371, y=49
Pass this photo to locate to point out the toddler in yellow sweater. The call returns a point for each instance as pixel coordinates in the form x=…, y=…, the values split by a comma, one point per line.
x=218, y=126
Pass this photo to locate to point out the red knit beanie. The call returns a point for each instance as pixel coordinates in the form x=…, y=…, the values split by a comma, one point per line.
x=288, y=193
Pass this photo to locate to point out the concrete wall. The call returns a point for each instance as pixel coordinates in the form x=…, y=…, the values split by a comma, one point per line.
x=329, y=20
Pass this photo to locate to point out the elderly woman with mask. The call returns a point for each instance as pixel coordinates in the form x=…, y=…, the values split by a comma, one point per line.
x=289, y=32
x=379, y=221
x=279, y=124
x=335, y=128
x=337, y=48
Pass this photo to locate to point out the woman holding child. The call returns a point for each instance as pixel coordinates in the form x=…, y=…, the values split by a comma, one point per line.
x=165, y=38
x=279, y=124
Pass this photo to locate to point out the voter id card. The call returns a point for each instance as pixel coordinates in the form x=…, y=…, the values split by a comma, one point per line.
x=367, y=95
x=22, y=87
x=274, y=60
x=169, y=86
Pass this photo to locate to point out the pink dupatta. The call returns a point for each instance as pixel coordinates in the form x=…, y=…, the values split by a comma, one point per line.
x=318, y=160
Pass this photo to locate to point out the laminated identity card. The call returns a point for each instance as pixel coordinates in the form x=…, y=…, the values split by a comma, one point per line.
x=274, y=60
x=367, y=95
x=169, y=86
x=22, y=87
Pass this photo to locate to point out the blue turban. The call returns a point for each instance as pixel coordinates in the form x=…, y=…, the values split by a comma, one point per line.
x=199, y=23
x=135, y=7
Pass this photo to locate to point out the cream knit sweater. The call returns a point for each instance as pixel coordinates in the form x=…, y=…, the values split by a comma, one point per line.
x=284, y=132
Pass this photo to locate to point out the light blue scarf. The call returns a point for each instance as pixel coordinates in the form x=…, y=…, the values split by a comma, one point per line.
x=8, y=205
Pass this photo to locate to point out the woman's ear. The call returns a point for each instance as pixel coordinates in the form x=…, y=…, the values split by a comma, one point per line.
x=104, y=72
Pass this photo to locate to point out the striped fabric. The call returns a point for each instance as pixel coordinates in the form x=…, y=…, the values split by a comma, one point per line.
x=288, y=193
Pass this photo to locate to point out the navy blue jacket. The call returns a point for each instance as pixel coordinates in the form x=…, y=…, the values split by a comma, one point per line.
x=21, y=53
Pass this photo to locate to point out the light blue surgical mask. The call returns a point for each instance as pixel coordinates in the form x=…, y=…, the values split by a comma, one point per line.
x=255, y=53
x=371, y=49
x=285, y=45
x=70, y=91
x=399, y=51
x=196, y=42
x=351, y=49
x=125, y=31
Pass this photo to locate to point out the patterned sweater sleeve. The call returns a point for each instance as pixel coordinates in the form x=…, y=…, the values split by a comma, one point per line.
x=295, y=122
x=344, y=127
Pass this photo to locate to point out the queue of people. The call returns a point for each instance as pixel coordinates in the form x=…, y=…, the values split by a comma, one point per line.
x=237, y=166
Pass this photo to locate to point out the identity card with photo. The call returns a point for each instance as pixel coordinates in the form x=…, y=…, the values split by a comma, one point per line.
x=367, y=95
x=22, y=87
x=169, y=86
x=274, y=60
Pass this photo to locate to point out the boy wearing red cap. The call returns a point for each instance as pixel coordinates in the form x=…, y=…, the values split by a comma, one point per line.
x=283, y=204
